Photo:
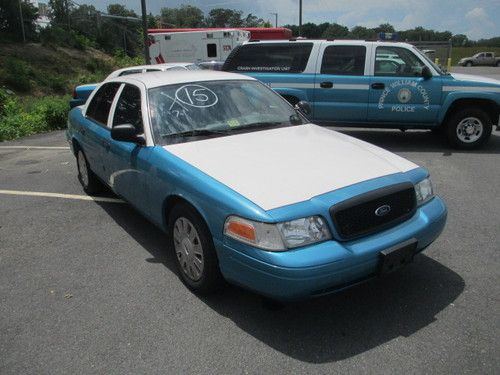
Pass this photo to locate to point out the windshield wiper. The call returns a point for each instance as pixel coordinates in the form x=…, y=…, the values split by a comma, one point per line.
x=195, y=133
x=259, y=125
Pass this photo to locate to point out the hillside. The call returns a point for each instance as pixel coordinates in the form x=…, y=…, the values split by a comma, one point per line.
x=37, y=70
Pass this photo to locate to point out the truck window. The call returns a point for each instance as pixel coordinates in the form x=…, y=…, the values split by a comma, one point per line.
x=211, y=50
x=344, y=60
x=128, y=108
x=98, y=109
x=269, y=58
x=397, y=61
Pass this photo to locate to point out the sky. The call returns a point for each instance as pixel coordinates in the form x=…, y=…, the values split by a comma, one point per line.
x=476, y=19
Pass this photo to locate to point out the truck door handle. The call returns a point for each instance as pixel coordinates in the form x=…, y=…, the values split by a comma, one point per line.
x=326, y=85
x=378, y=86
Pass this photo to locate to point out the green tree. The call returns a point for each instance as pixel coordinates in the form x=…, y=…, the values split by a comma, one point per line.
x=253, y=21
x=335, y=30
x=60, y=11
x=361, y=32
x=220, y=17
x=10, y=21
x=184, y=17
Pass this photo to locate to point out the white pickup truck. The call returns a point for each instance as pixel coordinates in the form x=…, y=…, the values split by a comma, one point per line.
x=481, y=58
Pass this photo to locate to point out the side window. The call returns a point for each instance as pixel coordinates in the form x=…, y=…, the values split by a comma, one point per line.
x=212, y=50
x=269, y=58
x=128, y=108
x=153, y=70
x=98, y=109
x=397, y=61
x=344, y=60
x=489, y=55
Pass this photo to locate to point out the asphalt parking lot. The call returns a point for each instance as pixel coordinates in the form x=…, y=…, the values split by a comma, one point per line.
x=89, y=286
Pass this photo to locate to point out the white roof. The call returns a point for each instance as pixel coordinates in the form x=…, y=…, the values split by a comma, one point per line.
x=335, y=41
x=164, y=66
x=157, y=79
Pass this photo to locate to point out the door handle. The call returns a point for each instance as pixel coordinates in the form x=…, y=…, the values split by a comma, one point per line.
x=326, y=85
x=378, y=86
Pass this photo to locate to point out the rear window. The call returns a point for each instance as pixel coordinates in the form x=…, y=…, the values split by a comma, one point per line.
x=269, y=58
x=344, y=60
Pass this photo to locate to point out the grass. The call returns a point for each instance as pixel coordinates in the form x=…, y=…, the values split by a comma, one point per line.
x=36, y=82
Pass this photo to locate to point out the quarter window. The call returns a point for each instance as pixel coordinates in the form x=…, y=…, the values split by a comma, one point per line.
x=128, y=108
x=269, y=58
x=98, y=109
x=397, y=61
x=344, y=60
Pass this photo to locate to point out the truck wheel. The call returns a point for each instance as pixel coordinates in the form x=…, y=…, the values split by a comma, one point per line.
x=87, y=178
x=194, y=250
x=468, y=63
x=468, y=128
x=498, y=63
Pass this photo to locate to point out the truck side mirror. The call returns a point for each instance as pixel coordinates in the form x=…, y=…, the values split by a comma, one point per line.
x=426, y=72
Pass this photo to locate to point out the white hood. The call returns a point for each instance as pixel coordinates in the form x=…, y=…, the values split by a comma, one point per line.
x=278, y=167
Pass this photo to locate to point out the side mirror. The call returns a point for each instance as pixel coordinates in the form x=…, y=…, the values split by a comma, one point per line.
x=126, y=133
x=304, y=107
x=426, y=72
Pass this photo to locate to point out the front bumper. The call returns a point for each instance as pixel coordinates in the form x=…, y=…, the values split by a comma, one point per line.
x=326, y=267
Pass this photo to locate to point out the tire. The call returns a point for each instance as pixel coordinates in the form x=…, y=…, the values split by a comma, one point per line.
x=468, y=128
x=498, y=63
x=87, y=178
x=468, y=63
x=194, y=251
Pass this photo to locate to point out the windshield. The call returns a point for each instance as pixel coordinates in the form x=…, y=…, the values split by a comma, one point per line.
x=435, y=66
x=193, y=111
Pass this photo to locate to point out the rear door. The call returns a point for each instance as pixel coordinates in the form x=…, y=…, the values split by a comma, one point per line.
x=341, y=86
x=398, y=92
x=96, y=129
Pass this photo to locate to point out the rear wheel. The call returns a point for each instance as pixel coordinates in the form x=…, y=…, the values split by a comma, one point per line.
x=87, y=178
x=194, y=250
x=468, y=128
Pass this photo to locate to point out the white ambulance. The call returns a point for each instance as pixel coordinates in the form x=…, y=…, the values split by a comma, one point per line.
x=194, y=46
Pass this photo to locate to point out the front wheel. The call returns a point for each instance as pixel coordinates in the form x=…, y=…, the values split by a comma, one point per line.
x=195, y=254
x=468, y=129
x=468, y=63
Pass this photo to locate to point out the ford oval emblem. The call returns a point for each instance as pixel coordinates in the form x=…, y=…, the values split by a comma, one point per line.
x=383, y=210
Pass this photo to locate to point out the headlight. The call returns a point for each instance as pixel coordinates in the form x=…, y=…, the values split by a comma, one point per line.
x=423, y=191
x=280, y=236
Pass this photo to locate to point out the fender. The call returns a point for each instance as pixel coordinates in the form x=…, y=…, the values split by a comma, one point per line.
x=452, y=97
x=298, y=93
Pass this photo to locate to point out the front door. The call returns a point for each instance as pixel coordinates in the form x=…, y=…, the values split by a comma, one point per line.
x=127, y=161
x=341, y=87
x=398, y=92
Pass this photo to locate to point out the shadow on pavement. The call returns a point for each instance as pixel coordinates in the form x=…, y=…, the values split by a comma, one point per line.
x=329, y=328
x=416, y=140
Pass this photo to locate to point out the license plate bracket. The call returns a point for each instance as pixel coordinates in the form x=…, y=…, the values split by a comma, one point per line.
x=397, y=256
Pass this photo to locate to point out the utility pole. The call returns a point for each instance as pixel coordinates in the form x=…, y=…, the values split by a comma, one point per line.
x=145, y=31
x=300, y=17
x=21, y=18
x=276, y=19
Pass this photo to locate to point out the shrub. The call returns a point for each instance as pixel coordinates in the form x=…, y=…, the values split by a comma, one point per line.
x=38, y=115
x=17, y=74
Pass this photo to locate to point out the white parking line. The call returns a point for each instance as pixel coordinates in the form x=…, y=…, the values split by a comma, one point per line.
x=34, y=147
x=63, y=196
